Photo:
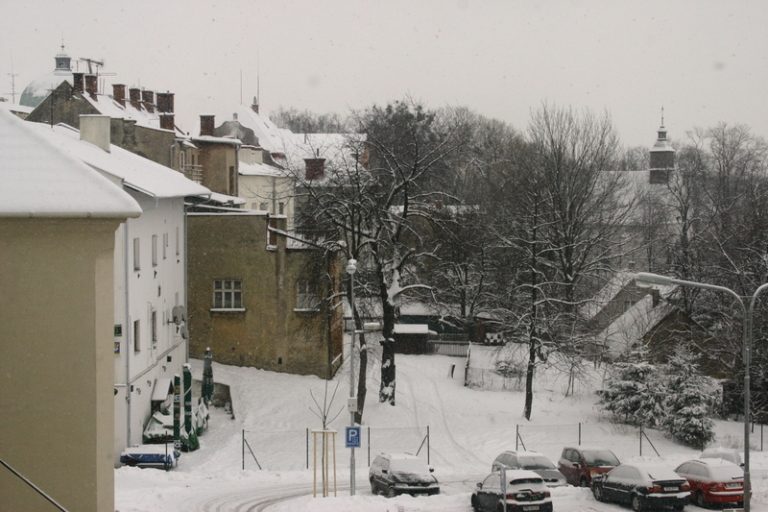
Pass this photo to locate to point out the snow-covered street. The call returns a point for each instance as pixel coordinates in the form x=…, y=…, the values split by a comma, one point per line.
x=468, y=428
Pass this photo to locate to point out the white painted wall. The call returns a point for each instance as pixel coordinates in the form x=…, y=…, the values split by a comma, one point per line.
x=271, y=190
x=153, y=287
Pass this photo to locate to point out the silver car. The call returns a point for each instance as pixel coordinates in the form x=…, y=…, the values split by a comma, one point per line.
x=532, y=461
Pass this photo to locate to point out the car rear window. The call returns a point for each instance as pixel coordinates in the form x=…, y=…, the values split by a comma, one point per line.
x=726, y=473
x=517, y=481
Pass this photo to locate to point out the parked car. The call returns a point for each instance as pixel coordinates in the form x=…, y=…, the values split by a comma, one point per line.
x=643, y=487
x=524, y=491
x=728, y=454
x=713, y=481
x=532, y=461
x=398, y=473
x=580, y=464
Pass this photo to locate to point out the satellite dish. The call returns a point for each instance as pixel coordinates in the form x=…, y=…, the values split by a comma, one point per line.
x=179, y=315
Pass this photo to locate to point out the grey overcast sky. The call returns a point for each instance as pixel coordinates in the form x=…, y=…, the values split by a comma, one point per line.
x=704, y=61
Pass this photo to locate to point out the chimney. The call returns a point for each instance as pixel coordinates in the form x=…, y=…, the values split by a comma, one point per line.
x=255, y=105
x=135, y=95
x=315, y=168
x=95, y=129
x=77, y=82
x=206, y=125
x=148, y=99
x=165, y=102
x=166, y=121
x=91, y=85
x=118, y=93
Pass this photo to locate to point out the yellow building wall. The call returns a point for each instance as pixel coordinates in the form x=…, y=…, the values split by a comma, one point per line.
x=56, y=371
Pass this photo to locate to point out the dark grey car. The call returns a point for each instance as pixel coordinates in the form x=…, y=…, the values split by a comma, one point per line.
x=399, y=473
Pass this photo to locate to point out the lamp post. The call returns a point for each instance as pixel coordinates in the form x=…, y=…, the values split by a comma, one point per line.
x=747, y=314
x=351, y=269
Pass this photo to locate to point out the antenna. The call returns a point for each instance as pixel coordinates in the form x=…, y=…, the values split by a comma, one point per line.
x=91, y=63
x=662, y=115
x=258, y=78
x=13, y=76
x=241, y=86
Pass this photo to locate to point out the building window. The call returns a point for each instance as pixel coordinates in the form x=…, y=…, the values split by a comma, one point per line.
x=136, y=254
x=154, y=250
x=136, y=336
x=165, y=245
x=153, y=327
x=307, y=298
x=264, y=207
x=281, y=208
x=227, y=294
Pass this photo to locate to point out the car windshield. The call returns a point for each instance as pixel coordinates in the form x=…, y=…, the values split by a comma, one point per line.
x=600, y=458
x=413, y=466
x=535, y=462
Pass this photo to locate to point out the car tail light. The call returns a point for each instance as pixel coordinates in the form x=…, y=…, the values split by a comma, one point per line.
x=546, y=494
x=717, y=486
x=654, y=489
x=685, y=487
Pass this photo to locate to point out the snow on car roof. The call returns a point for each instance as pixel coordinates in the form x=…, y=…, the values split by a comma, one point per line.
x=520, y=474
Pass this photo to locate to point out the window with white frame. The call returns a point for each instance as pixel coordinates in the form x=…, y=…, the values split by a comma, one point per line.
x=136, y=254
x=264, y=206
x=227, y=294
x=154, y=250
x=307, y=298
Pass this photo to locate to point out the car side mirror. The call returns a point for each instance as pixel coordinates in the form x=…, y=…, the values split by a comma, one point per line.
x=742, y=464
x=384, y=471
x=431, y=469
x=479, y=485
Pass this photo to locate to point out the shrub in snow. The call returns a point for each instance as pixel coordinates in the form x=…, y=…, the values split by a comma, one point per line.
x=634, y=394
x=688, y=402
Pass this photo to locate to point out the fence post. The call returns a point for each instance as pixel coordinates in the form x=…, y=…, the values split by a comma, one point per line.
x=761, y=437
x=579, y=433
x=243, y=447
x=517, y=435
x=427, y=444
x=307, y=434
x=641, y=440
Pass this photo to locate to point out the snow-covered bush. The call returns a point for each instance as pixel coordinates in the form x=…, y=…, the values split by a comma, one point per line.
x=634, y=394
x=688, y=402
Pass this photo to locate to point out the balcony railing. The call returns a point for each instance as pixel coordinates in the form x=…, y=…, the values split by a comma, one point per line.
x=193, y=172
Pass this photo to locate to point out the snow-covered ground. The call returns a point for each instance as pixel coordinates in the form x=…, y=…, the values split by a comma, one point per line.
x=467, y=427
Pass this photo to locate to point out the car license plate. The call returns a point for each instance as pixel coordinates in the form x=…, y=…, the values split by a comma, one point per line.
x=670, y=488
x=531, y=507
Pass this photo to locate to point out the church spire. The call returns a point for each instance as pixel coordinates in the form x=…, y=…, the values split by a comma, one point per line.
x=63, y=61
x=662, y=156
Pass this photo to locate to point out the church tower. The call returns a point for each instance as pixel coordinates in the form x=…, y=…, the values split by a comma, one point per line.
x=662, y=157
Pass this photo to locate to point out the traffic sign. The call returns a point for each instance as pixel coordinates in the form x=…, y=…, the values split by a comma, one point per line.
x=352, y=437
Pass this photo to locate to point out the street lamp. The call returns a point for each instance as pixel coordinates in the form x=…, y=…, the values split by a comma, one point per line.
x=351, y=269
x=747, y=314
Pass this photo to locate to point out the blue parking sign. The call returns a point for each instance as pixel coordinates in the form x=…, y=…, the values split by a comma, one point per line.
x=353, y=437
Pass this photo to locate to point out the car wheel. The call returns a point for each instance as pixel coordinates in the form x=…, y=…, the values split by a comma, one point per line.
x=583, y=482
x=678, y=508
x=374, y=491
x=391, y=492
x=597, y=492
x=637, y=505
x=500, y=507
x=699, y=499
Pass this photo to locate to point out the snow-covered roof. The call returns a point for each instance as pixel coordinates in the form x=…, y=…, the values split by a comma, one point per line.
x=254, y=169
x=225, y=199
x=40, y=179
x=614, y=285
x=338, y=149
x=411, y=329
x=629, y=328
x=39, y=89
x=137, y=172
x=221, y=140
x=109, y=107
x=269, y=135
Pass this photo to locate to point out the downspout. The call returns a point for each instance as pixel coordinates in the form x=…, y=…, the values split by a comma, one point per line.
x=128, y=337
x=184, y=279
